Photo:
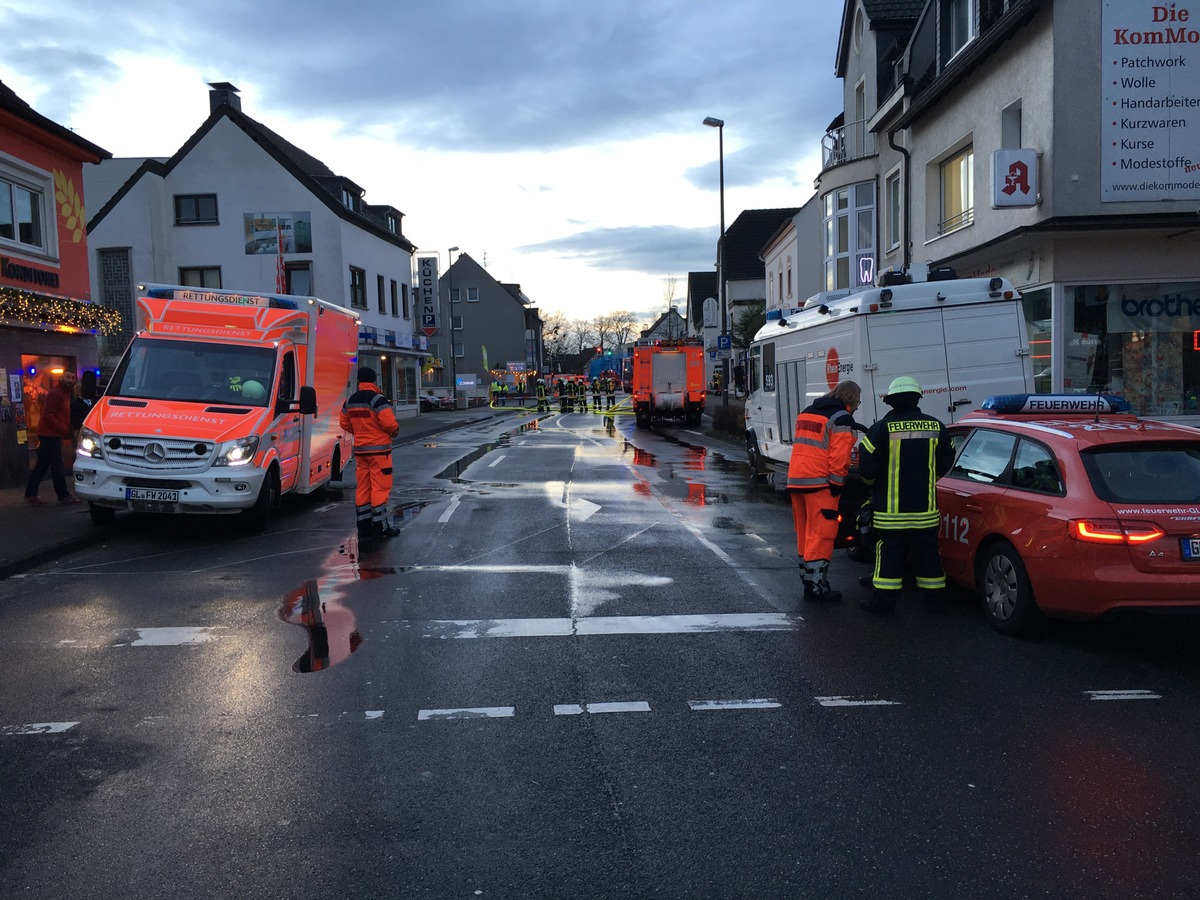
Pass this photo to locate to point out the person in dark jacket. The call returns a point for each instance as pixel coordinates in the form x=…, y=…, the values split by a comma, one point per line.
x=368, y=416
x=822, y=440
x=53, y=428
x=902, y=457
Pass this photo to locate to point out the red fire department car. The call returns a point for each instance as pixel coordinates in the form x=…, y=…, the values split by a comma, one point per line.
x=1069, y=506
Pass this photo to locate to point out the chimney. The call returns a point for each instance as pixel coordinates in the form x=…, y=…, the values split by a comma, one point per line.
x=223, y=94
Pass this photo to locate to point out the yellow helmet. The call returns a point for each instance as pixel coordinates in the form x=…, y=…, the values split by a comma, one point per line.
x=905, y=384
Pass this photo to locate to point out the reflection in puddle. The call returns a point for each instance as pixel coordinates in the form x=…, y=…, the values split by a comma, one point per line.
x=332, y=635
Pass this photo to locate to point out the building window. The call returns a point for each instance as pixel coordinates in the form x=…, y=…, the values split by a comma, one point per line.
x=395, y=300
x=347, y=199
x=21, y=214
x=459, y=351
x=298, y=278
x=382, y=297
x=453, y=295
x=358, y=288
x=456, y=324
x=200, y=276
x=958, y=191
x=895, y=207
x=850, y=236
x=196, y=209
x=959, y=24
x=404, y=300
x=789, y=280
x=392, y=224
x=472, y=295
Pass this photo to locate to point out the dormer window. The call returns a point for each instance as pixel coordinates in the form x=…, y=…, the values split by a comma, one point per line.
x=393, y=225
x=347, y=199
x=959, y=24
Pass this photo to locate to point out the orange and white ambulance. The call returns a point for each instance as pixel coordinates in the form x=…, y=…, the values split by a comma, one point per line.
x=223, y=402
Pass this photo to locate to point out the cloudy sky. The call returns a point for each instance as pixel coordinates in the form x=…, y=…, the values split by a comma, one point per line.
x=559, y=141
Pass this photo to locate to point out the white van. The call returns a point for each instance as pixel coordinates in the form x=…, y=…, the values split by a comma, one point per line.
x=963, y=339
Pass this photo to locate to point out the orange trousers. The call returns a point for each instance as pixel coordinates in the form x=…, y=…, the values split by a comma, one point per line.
x=372, y=482
x=815, y=516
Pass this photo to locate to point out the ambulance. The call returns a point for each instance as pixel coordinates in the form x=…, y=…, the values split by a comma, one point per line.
x=223, y=402
x=963, y=340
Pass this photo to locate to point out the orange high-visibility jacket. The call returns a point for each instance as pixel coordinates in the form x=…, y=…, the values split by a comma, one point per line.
x=821, y=446
x=368, y=416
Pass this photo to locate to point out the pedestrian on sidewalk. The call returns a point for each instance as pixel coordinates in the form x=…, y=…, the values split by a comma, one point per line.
x=368, y=415
x=54, y=427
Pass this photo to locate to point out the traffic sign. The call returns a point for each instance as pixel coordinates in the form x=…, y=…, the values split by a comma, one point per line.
x=724, y=342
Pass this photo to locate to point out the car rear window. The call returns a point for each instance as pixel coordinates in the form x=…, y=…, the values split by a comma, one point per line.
x=1145, y=473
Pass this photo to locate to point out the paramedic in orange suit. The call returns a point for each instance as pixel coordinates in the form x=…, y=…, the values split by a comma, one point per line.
x=369, y=418
x=820, y=459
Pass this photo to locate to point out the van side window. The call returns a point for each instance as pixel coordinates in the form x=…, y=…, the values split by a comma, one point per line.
x=287, y=377
x=768, y=367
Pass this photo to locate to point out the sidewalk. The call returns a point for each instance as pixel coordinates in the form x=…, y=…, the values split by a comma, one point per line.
x=31, y=536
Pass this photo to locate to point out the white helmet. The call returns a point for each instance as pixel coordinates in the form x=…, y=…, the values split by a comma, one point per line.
x=253, y=391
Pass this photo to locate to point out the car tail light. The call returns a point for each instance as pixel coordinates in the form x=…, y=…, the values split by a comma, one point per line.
x=1114, y=531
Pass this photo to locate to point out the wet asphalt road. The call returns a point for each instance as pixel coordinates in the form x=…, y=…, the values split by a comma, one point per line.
x=582, y=670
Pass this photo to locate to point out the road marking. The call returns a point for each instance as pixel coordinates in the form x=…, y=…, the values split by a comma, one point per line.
x=576, y=709
x=1124, y=695
x=703, y=705
x=609, y=625
x=495, y=462
x=454, y=501
x=475, y=712
x=173, y=637
x=846, y=701
x=37, y=728
x=374, y=714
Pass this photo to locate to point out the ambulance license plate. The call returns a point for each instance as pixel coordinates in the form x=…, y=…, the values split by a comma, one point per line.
x=152, y=495
x=1191, y=549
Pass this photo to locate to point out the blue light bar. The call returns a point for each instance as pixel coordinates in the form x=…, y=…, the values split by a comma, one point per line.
x=1057, y=404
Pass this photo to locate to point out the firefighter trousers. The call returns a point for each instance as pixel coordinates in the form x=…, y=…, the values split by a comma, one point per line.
x=919, y=544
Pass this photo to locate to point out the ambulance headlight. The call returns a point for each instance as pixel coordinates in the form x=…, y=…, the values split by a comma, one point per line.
x=237, y=453
x=89, y=444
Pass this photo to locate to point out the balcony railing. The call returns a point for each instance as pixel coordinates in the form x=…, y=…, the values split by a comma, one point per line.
x=846, y=143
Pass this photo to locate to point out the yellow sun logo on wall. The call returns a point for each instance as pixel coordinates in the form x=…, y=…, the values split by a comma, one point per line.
x=70, y=206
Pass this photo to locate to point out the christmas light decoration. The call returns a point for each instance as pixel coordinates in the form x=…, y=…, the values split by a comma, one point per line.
x=60, y=313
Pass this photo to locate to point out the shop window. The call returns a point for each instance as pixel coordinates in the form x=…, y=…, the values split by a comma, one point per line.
x=1140, y=341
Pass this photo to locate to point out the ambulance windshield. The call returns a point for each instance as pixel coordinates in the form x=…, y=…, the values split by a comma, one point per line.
x=195, y=371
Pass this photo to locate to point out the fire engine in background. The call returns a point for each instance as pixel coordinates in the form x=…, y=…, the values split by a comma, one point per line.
x=668, y=381
x=222, y=402
x=963, y=340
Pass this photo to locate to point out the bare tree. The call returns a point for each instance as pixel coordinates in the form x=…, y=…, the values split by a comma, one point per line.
x=616, y=329
x=556, y=338
x=669, y=290
x=583, y=336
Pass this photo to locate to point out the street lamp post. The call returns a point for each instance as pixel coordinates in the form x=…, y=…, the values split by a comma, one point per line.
x=450, y=325
x=719, y=124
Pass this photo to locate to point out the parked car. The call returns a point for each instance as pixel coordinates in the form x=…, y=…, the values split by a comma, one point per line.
x=1069, y=506
x=430, y=403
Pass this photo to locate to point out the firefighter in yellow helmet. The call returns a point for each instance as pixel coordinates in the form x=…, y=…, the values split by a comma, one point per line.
x=902, y=457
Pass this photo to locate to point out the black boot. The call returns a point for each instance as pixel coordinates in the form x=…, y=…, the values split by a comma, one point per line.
x=880, y=603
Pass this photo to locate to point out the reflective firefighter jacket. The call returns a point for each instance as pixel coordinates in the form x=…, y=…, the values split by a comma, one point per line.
x=903, y=456
x=821, y=445
x=369, y=417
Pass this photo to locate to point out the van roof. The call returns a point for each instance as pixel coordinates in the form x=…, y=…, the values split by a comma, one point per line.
x=829, y=305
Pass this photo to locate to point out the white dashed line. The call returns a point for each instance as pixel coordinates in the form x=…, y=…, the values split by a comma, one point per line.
x=173, y=637
x=702, y=705
x=576, y=709
x=37, y=728
x=476, y=712
x=1123, y=695
x=846, y=701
